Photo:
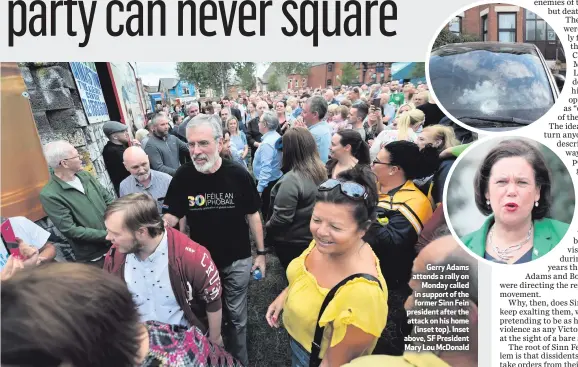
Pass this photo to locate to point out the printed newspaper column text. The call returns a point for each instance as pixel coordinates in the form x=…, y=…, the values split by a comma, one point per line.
x=539, y=316
x=440, y=312
x=565, y=131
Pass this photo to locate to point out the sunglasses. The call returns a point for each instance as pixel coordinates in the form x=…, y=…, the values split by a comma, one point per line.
x=352, y=190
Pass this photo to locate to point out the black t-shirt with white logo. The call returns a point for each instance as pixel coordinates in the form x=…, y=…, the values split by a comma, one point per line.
x=215, y=205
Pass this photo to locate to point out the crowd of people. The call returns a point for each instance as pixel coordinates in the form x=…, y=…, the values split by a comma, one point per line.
x=343, y=185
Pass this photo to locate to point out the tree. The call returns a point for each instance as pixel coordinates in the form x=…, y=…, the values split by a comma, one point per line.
x=246, y=73
x=348, y=73
x=273, y=84
x=214, y=75
x=418, y=70
x=288, y=68
x=445, y=37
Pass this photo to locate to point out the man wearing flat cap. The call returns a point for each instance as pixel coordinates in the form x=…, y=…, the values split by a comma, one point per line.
x=118, y=141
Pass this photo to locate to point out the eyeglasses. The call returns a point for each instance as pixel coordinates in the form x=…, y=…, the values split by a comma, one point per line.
x=67, y=159
x=351, y=189
x=377, y=161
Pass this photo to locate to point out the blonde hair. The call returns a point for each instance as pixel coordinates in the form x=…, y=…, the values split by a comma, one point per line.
x=408, y=120
x=409, y=104
x=425, y=95
x=333, y=109
x=141, y=134
x=443, y=133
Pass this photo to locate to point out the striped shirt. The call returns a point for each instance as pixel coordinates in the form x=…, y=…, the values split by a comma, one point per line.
x=157, y=187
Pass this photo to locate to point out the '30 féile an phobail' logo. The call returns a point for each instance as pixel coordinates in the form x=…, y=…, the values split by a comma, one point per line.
x=198, y=200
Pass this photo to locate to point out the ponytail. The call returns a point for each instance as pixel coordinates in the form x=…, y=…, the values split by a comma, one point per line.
x=359, y=148
x=362, y=153
x=414, y=162
x=445, y=134
x=426, y=163
x=406, y=121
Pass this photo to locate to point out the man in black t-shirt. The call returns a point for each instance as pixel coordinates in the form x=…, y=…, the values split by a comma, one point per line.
x=221, y=203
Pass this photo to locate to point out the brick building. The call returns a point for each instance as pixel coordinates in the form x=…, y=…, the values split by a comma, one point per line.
x=327, y=74
x=502, y=22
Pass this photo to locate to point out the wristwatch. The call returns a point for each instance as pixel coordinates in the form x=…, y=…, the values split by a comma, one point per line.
x=261, y=252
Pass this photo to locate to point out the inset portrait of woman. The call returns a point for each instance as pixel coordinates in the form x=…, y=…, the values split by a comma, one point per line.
x=513, y=188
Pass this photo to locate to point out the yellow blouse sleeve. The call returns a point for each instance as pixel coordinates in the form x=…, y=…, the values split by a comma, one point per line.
x=360, y=303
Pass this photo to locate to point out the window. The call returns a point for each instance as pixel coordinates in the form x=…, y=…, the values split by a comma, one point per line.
x=485, y=28
x=329, y=67
x=537, y=29
x=296, y=83
x=550, y=32
x=456, y=26
x=289, y=83
x=186, y=91
x=328, y=83
x=506, y=27
x=304, y=82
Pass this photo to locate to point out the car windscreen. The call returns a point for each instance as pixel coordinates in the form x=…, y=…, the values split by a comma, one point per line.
x=491, y=84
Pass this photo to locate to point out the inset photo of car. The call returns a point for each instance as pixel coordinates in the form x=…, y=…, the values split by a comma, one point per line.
x=497, y=67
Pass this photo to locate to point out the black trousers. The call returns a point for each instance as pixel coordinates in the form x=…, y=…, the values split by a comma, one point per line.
x=397, y=328
x=266, y=200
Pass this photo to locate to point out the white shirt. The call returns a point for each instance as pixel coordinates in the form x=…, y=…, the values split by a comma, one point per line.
x=77, y=184
x=30, y=232
x=149, y=283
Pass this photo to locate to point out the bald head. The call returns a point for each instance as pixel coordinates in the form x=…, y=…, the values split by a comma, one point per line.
x=136, y=161
x=329, y=95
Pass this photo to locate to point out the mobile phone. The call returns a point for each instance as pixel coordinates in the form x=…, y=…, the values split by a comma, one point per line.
x=376, y=102
x=9, y=238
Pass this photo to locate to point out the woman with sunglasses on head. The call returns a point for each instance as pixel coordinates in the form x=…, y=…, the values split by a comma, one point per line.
x=401, y=214
x=338, y=262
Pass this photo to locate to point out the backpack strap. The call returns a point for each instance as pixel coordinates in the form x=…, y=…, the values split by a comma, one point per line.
x=314, y=360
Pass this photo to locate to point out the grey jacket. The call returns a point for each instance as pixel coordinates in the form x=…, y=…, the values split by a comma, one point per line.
x=164, y=153
x=292, y=201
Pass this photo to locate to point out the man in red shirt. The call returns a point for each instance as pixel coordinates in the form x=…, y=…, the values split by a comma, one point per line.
x=172, y=278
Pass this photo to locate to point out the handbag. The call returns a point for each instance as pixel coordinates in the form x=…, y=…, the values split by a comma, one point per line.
x=314, y=360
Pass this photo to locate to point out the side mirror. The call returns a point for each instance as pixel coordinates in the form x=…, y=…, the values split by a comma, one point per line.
x=560, y=80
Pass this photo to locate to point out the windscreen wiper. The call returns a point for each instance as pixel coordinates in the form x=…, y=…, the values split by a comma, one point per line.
x=496, y=121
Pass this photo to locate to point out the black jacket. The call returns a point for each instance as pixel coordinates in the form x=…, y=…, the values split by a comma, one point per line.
x=393, y=236
x=292, y=202
x=237, y=113
x=253, y=134
x=112, y=156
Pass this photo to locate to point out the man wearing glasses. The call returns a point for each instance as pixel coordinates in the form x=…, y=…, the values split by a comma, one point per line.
x=75, y=202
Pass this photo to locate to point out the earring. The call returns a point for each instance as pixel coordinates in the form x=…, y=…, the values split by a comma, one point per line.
x=536, y=204
x=488, y=203
x=391, y=173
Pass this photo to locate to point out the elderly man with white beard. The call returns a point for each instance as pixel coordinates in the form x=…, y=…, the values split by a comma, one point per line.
x=220, y=201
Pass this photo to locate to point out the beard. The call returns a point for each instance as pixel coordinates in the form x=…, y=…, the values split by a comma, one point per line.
x=209, y=161
x=134, y=248
x=142, y=177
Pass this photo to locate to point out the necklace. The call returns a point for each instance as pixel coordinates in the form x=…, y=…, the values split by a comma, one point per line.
x=506, y=254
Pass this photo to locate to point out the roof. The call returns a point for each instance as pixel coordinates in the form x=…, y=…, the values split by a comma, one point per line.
x=167, y=83
x=267, y=74
x=458, y=48
x=151, y=89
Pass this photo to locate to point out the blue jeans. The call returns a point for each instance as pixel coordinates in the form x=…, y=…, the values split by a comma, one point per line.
x=299, y=355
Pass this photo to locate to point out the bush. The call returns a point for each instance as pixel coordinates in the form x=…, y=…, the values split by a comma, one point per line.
x=445, y=37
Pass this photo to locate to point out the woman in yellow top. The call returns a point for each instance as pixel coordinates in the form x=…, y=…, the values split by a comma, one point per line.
x=356, y=316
